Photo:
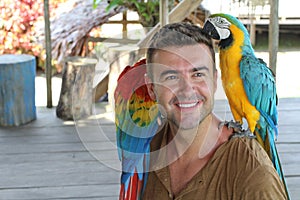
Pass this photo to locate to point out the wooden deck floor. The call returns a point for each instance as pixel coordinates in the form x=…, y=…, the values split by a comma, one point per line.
x=52, y=159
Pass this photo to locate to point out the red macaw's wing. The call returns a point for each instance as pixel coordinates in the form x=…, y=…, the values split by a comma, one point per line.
x=136, y=124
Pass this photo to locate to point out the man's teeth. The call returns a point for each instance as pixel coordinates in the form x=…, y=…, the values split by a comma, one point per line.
x=187, y=105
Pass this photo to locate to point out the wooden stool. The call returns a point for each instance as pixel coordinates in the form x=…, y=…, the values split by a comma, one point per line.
x=17, y=89
x=76, y=96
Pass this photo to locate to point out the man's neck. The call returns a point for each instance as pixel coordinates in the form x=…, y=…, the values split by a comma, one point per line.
x=190, y=156
x=197, y=143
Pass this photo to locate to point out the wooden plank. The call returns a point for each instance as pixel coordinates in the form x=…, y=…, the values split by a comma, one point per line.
x=293, y=187
x=53, y=147
x=290, y=163
x=288, y=148
x=65, y=179
x=70, y=156
x=99, y=192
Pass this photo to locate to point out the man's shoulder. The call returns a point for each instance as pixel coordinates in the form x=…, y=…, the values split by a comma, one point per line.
x=246, y=148
x=245, y=141
x=251, y=163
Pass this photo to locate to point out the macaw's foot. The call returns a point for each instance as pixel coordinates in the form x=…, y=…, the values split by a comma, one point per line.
x=236, y=126
x=238, y=130
x=244, y=133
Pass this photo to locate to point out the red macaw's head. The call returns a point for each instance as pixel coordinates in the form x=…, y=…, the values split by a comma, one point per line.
x=132, y=95
x=131, y=81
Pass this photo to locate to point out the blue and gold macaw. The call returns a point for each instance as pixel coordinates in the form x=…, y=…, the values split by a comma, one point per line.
x=247, y=81
x=136, y=118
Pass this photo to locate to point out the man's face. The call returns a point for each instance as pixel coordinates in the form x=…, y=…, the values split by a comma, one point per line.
x=184, y=84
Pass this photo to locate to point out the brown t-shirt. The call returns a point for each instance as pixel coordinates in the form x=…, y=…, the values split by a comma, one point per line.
x=239, y=169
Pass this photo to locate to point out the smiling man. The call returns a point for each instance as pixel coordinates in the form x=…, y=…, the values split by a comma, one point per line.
x=194, y=156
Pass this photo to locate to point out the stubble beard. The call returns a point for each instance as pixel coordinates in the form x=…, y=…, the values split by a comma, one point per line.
x=186, y=122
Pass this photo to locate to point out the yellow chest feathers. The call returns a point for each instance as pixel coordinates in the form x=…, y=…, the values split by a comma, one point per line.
x=233, y=84
x=230, y=60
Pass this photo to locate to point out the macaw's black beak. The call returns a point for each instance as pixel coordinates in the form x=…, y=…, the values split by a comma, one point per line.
x=210, y=29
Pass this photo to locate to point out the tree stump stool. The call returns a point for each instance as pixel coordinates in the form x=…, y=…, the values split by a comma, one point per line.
x=76, y=96
x=17, y=89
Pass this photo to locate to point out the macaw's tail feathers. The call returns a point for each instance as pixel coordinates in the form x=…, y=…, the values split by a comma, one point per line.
x=136, y=115
x=279, y=170
x=268, y=143
x=132, y=189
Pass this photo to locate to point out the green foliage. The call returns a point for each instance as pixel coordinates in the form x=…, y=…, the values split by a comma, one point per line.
x=147, y=10
x=113, y=4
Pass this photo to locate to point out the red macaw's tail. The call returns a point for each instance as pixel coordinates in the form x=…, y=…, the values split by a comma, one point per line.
x=134, y=189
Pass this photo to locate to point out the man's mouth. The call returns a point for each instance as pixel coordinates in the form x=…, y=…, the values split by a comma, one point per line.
x=187, y=105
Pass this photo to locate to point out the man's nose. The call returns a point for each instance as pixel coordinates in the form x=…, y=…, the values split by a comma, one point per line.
x=186, y=86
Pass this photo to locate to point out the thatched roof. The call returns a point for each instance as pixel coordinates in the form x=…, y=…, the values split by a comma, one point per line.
x=69, y=30
x=76, y=18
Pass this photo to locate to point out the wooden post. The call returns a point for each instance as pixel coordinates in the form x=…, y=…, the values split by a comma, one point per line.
x=252, y=25
x=163, y=12
x=17, y=89
x=48, y=53
x=252, y=33
x=124, y=24
x=76, y=96
x=273, y=35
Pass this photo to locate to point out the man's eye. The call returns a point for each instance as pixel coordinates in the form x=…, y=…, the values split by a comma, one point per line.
x=171, y=77
x=199, y=74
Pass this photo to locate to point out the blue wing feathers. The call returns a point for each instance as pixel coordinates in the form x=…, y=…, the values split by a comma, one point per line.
x=259, y=84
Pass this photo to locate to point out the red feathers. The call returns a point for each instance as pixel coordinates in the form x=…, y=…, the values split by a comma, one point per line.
x=132, y=80
x=134, y=189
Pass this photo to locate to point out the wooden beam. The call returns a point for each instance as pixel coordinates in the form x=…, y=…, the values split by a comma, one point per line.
x=179, y=13
x=273, y=35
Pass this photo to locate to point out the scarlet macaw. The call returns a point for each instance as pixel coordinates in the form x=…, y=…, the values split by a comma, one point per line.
x=247, y=81
x=136, y=124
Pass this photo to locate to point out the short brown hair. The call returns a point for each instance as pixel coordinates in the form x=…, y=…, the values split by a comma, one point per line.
x=178, y=34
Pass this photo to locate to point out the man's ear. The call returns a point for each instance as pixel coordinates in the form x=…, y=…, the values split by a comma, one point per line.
x=150, y=87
